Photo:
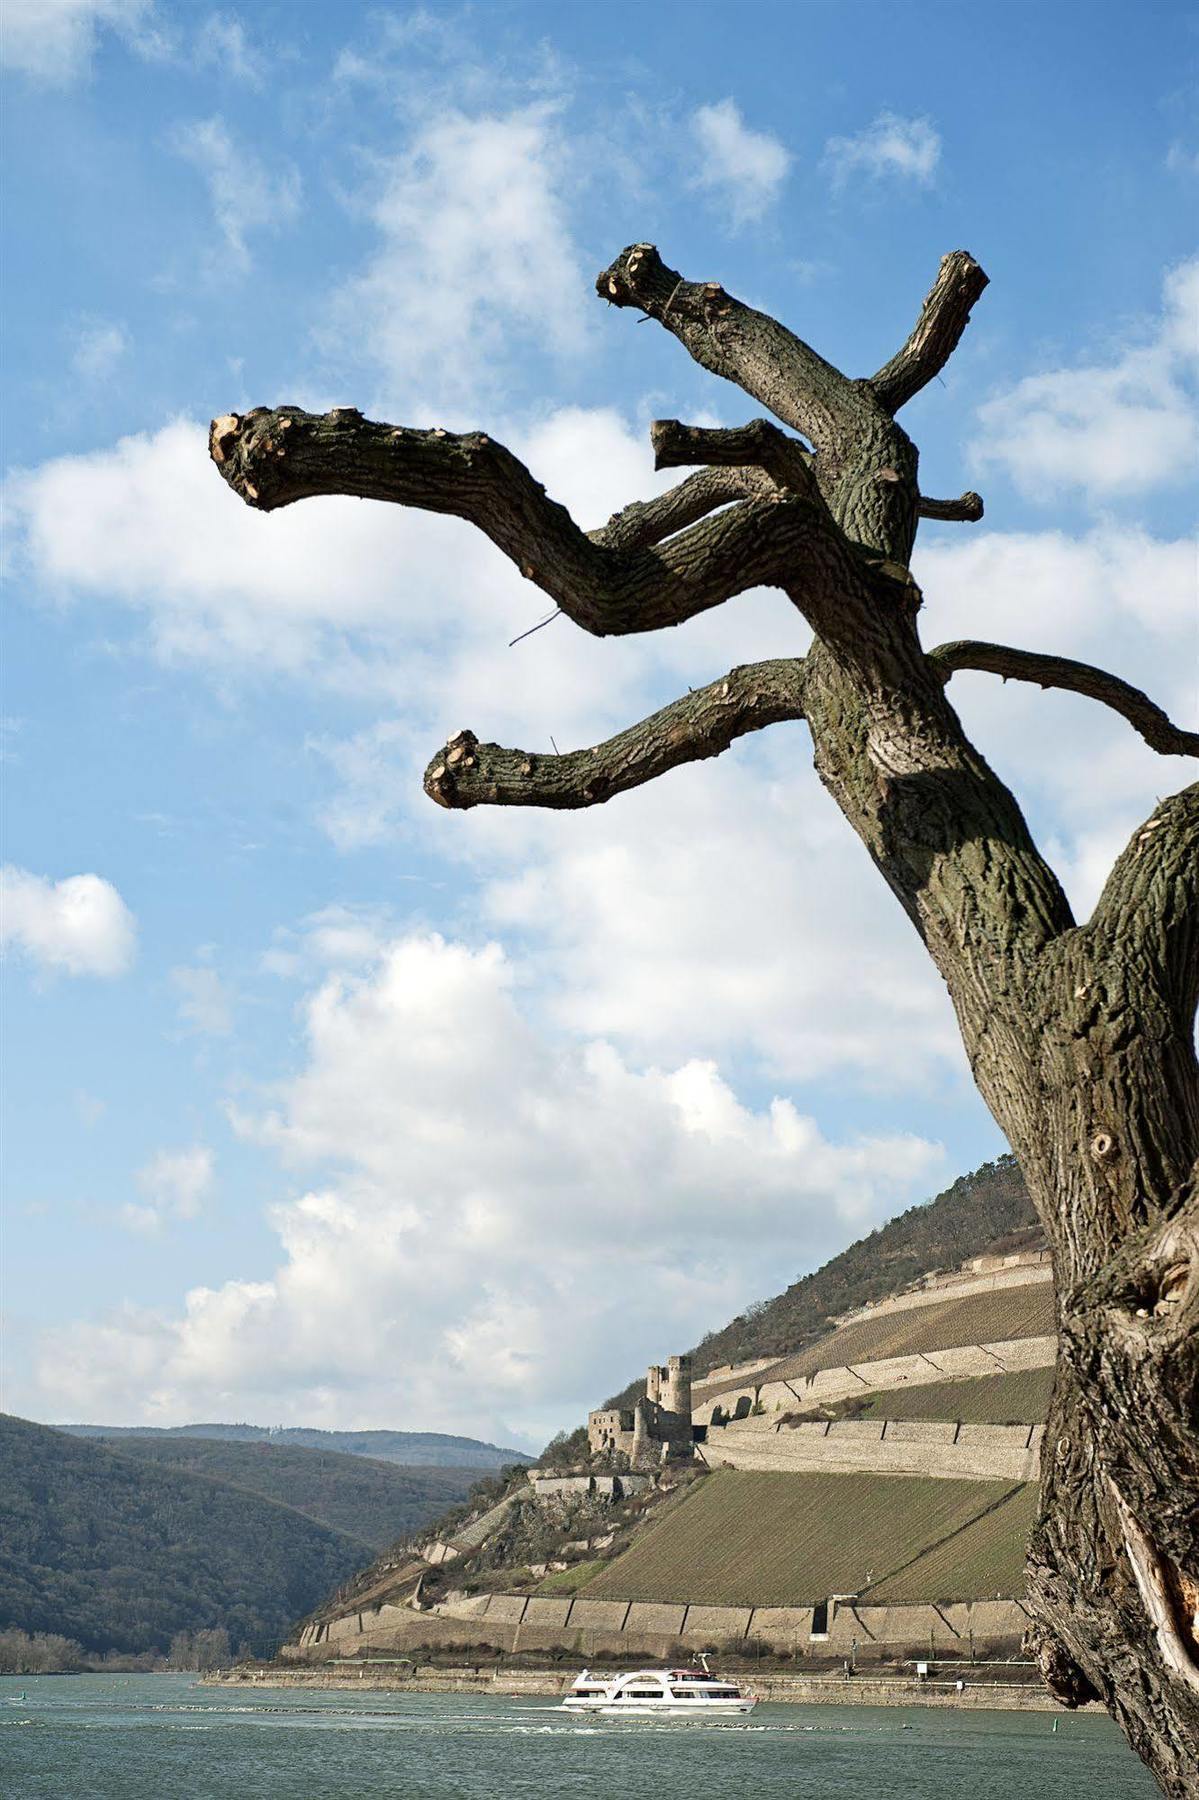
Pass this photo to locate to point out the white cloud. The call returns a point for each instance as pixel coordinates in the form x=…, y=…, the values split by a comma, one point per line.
x=724, y=911
x=174, y=1183
x=203, y=999
x=53, y=41
x=744, y=167
x=510, y=1221
x=99, y=346
x=1182, y=161
x=891, y=147
x=222, y=43
x=245, y=196
x=80, y=924
x=475, y=258
x=1117, y=427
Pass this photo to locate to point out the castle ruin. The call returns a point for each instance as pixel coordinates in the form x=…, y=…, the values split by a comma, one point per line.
x=659, y=1424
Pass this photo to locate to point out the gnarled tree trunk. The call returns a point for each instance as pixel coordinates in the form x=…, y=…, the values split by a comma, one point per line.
x=1079, y=1037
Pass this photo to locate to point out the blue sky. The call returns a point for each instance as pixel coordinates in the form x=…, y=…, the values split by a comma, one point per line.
x=326, y=1106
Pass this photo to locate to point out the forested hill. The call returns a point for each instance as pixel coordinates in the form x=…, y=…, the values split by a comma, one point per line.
x=375, y=1502
x=119, y=1555
x=413, y=1449
x=986, y=1210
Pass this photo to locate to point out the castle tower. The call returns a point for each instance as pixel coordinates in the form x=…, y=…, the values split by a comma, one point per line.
x=653, y=1383
x=640, y=1435
x=677, y=1397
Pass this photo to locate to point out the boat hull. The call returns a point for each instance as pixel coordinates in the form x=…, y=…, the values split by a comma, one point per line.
x=680, y=1709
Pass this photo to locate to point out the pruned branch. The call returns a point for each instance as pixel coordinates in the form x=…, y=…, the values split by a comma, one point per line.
x=736, y=342
x=967, y=509
x=758, y=444
x=273, y=458
x=698, y=725
x=1142, y=713
x=934, y=337
x=649, y=521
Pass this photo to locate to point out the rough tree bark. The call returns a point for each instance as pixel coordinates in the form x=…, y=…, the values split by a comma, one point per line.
x=1080, y=1037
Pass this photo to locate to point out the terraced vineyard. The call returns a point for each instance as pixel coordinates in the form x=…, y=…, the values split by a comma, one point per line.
x=743, y=1538
x=1020, y=1397
x=985, y=1558
x=986, y=1318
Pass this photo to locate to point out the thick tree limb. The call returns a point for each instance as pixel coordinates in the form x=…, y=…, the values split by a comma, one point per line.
x=700, y=724
x=934, y=337
x=1149, y=906
x=736, y=342
x=967, y=509
x=1075, y=677
x=649, y=521
x=275, y=458
x=758, y=444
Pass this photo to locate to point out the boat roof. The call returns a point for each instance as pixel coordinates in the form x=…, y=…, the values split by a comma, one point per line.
x=652, y=1675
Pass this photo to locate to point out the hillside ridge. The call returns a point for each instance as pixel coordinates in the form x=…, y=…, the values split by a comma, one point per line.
x=411, y=1449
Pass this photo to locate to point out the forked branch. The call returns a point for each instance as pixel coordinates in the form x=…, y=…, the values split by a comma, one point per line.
x=935, y=335
x=649, y=521
x=700, y=724
x=605, y=584
x=1141, y=712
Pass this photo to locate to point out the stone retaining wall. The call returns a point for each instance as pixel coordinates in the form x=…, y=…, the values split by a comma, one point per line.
x=882, y=1447
x=768, y=1684
x=591, y=1628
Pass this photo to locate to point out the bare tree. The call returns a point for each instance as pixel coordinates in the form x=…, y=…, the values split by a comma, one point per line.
x=1079, y=1036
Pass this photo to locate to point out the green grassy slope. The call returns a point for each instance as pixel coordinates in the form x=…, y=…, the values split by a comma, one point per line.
x=121, y=1555
x=747, y=1539
x=375, y=1502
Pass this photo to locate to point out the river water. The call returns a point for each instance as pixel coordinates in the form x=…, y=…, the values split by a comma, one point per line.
x=164, y=1737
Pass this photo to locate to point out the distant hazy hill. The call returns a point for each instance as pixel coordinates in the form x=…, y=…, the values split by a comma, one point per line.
x=372, y=1501
x=986, y=1210
x=119, y=1554
x=412, y=1449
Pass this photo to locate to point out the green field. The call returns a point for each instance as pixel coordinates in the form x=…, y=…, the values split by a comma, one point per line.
x=1020, y=1398
x=744, y=1538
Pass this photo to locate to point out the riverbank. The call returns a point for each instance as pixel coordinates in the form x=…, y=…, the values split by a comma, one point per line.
x=799, y=1690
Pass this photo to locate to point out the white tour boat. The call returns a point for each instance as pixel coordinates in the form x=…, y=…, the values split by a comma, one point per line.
x=674, y=1693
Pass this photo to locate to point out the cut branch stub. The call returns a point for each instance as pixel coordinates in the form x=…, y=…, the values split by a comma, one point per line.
x=758, y=444
x=736, y=342
x=967, y=509
x=935, y=335
x=700, y=724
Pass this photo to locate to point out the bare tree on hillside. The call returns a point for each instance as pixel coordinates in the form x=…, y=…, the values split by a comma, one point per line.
x=1079, y=1036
